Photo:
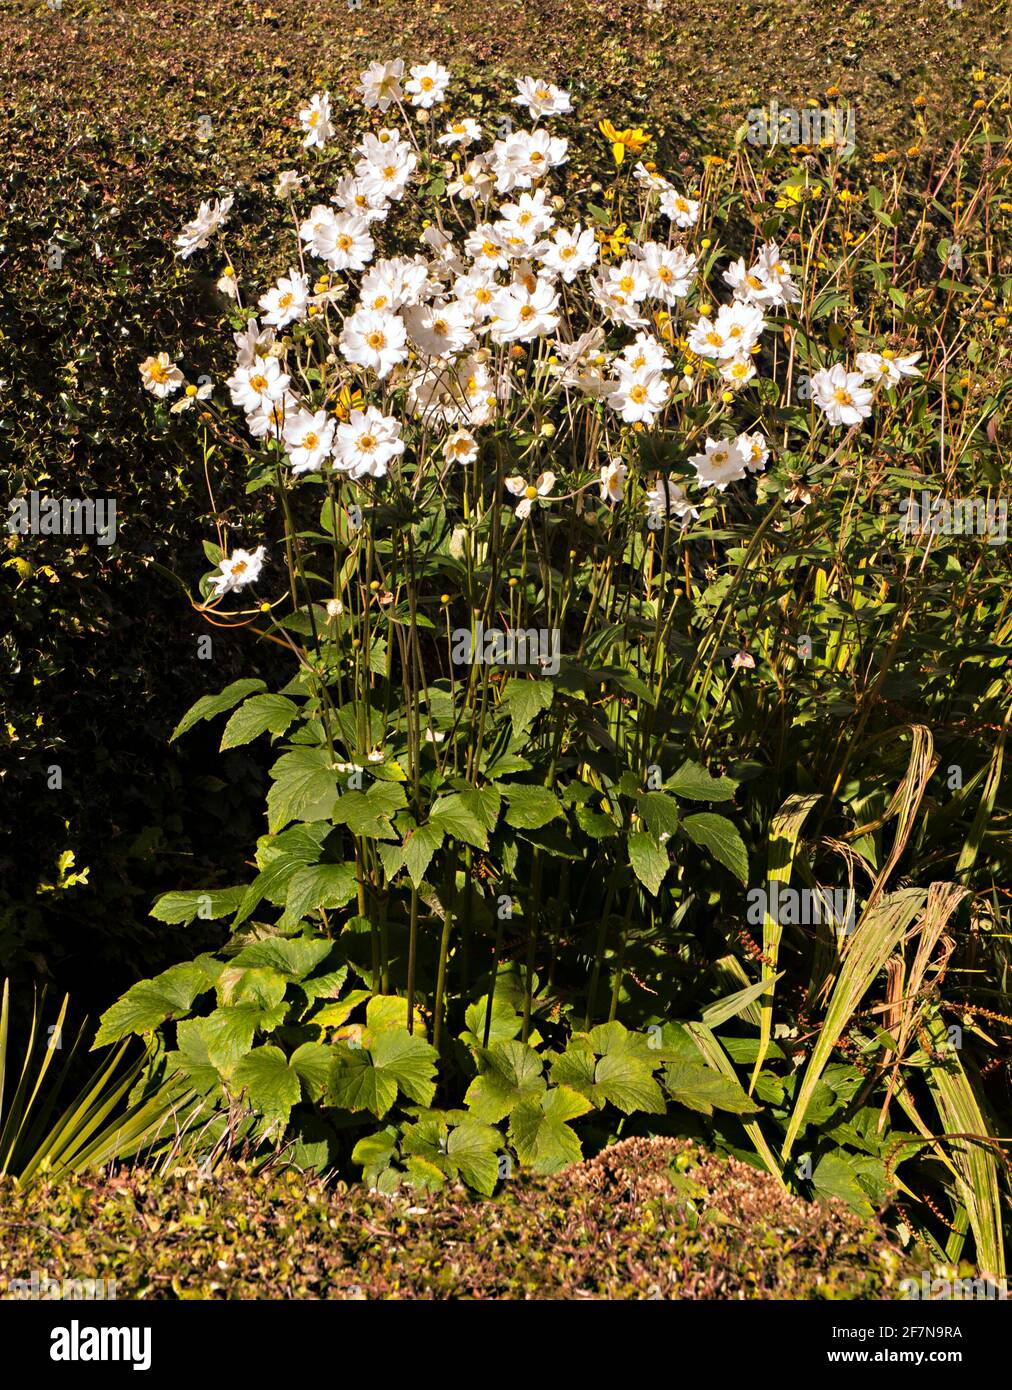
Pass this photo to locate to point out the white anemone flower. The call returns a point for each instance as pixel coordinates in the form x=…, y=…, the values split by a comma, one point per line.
x=196, y=234
x=471, y=182
x=721, y=463
x=476, y=292
x=387, y=175
x=541, y=98
x=669, y=270
x=524, y=157
x=269, y=421
x=841, y=395
x=253, y=341
x=316, y=122
x=460, y=447
x=682, y=211
x=886, y=367
x=613, y=481
x=427, y=85
x=365, y=445
x=529, y=492
x=667, y=499
x=287, y=301
x=160, y=375
x=778, y=287
x=380, y=84
x=463, y=132
x=733, y=333
x=570, y=252
x=755, y=449
x=644, y=355
x=439, y=330
x=259, y=385
x=639, y=397
x=240, y=568
x=289, y=182
x=484, y=246
x=522, y=314
x=192, y=396
x=308, y=439
x=737, y=371
x=374, y=339
x=351, y=196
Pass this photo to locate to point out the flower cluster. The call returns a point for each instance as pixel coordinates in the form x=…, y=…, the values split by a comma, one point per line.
x=511, y=303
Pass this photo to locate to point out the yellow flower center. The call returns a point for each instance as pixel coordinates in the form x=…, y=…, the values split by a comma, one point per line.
x=844, y=397
x=638, y=394
x=366, y=443
x=258, y=382
x=310, y=440
x=531, y=493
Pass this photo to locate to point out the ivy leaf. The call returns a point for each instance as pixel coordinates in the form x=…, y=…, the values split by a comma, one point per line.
x=505, y=1023
x=312, y=1063
x=210, y=705
x=575, y=1067
x=454, y=816
x=719, y=836
x=369, y=1080
x=229, y=1033
x=525, y=699
x=530, y=808
x=375, y=1152
x=257, y=716
x=543, y=1140
x=704, y=1089
x=211, y=904
x=355, y=1084
x=293, y=957
x=386, y=1011
x=626, y=1081
x=192, y=1059
x=318, y=885
x=836, y=1175
x=147, y=1005
x=694, y=783
x=511, y=1073
x=419, y=847
x=473, y=1148
x=304, y=788
x=659, y=813
x=368, y=813
x=649, y=860
x=270, y=1084
x=280, y=856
